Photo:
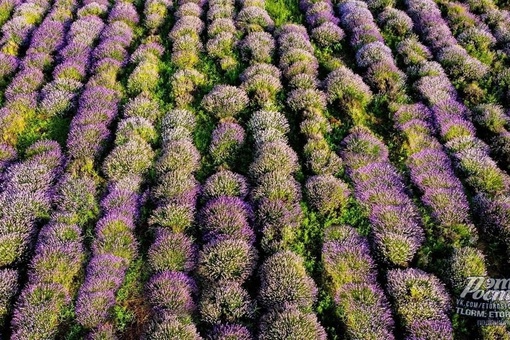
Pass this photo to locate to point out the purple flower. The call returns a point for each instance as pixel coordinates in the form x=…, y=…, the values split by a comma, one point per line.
x=226, y=260
x=320, y=13
x=226, y=303
x=354, y=300
x=142, y=106
x=278, y=221
x=226, y=217
x=327, y=34
x=84, y=31
x=133, y=158
x=225, y=101
x=252, y=19
x=437, y=329
x=8, y=288
x=293, y=28
x=135, y=128
x=172, y=327
x=8, y=64
x=327, y=194
x=188, y=9
x=172, y=252
x=34, y=315
x=361, y=147
x=26, y=81
x=172, y=292
x=123, y=11
x=284, y=281
x=147, y=51
x=188, y=25
x=260, y=68
x=49, y=36
x=463, y=263
x=308, y=100
x=348, y=261
x=293, y=40
x=373, y=53
x=227, y=139
x=429, y=300
x=93, y=308
x=229, y=331
x=225, y=183
x=396, y=21
x=7, y=156
x=262, y=88
x=347, y=87
x=119, y=31
x=275, y=156
x=290, y=323
x=114, y=235
x=104, y=273
x=221, y=25
x=121, y=201
x=181, y=156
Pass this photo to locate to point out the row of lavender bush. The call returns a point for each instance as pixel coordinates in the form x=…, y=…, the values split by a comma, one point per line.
x=59, y=254
x=172, y=256
x=22, y=93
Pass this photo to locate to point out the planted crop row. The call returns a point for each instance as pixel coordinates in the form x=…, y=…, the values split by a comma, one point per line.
x=22, y=93
x=172, y=255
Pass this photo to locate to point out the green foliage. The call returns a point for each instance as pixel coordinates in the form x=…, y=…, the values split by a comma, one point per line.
x=130, y=298
x=284, y=11
x=55, y=128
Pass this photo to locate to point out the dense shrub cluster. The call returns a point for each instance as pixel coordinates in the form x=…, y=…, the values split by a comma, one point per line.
x=471, y=32
x=396, y=228
x=421, y=303
x=42, y=42
x=59, y=96
x=222, y=34
x=186, y=49
x=253, y=17
x=287, y=292
x=322, y=22
x=436, y=33
x=442, y=192
x=493, y=120
x=57, y=262
x=56, y=266
x=125, y=167
x=348, y=90
x=224, y=259
x=225, y=102
x=350, y=276
x=260, y=80
x=229, y=256
x=173, y=255
x=471, y=155
x=7, y=8
x=25, y=199
x=498, y=20
x=432, y=172
x=371, y=54
x=98, y=103
x=430, y=168
x=156, y=12
x=276, y=192
x=327, y=193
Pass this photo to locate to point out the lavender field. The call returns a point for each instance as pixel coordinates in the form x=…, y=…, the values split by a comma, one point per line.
x=255, y=169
